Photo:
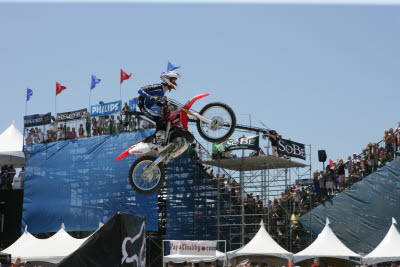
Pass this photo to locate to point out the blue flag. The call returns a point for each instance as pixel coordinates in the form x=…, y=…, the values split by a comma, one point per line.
x=94, y=82
x=29, y=93
x=172, y=67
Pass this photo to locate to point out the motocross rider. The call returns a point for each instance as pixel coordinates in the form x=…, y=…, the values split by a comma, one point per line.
x=150, y=95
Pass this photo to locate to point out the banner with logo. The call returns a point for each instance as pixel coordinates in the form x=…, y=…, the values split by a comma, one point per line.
x=105, y=109
x=37, y=119
x=290, y=148
x=119, y=242
x=133, y=103
x=199, y=248
x=250, y=142
x=72, y=115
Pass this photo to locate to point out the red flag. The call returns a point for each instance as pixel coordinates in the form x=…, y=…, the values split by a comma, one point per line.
x=331, y=163
x=59, y=88
x=124, y=76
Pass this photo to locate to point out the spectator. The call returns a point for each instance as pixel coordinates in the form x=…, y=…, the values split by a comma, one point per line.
x=316, y=263
x=17, y=262
x=86, y=116
x=73, y=133
x=388, y=139
x=127, y=113
x=329, y=180
x=68, y=133
x=28, y=139
x=41, y=136
x=94, y=127
x=341, y=173
x=132, y=124
x=274, y=143
x=81, y=131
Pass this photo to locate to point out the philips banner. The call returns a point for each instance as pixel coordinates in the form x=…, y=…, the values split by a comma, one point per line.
x=198, y=248
x=37, y=119
x=133, y=103
x=292, y=149
x=72, y=115
x=250, y=142
x=105, y=109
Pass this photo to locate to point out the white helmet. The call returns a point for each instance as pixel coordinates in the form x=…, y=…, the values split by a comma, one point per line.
x=167, y=76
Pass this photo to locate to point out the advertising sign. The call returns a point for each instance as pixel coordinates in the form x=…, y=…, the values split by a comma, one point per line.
x=292, y=149
x=105, y=109
x=37, y=119
x=72, y=115
x=250, y=142
x=133, y=103
x=200, y=248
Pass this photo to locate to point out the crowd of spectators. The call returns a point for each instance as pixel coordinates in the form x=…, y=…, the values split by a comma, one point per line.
x=126, y=121
x=298, y=199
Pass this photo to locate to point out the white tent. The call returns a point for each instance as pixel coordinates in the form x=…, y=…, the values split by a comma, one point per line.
x=53, y=249
x=11, y=142
x=327, y=245
x=177, y=258
x=262, y=244
x=388, y=249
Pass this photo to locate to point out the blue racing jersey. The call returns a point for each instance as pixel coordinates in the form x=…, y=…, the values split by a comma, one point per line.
x=149, y=91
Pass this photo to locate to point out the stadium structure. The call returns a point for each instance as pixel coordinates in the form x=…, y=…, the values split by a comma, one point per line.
x=78, y=183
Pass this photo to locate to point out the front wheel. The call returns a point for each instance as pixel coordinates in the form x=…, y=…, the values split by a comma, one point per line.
x=224, y=122
x=150, y=183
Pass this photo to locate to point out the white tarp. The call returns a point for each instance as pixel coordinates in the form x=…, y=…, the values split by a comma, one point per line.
x=53, y=249
x=388, y=249
x=261, y=244
x=327, y=245
x=11, y=143
x=177, y=258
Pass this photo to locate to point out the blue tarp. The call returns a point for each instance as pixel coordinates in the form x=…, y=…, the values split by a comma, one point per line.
x=361, y=215
x=77, y=182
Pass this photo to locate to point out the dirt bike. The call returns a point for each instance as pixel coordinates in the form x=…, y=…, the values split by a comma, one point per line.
x=215, y=123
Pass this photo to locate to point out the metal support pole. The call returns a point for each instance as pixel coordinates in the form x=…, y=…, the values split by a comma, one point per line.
x=242, y=200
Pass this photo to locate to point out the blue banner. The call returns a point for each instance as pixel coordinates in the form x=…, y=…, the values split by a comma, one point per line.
x=133, y=104
x=105, y=109
x=79, y=183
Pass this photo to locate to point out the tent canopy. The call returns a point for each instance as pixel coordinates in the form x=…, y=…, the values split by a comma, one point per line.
x=11, y=143
x=53, y=249
x=261, y=244
x=176, y=258
x=327, y=245
x=388, y=249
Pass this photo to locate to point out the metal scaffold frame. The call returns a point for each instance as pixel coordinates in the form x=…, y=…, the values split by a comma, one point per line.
x=238, y=221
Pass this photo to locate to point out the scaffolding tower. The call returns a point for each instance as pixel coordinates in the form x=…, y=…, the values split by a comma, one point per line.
x=259, y=181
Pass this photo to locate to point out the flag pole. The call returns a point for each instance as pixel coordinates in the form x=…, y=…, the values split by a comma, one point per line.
x=55, y=107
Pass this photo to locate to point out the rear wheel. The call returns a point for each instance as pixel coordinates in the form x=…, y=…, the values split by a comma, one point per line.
x=150, y=183
x=224, y=122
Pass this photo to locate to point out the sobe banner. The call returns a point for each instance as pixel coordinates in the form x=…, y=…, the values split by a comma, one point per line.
x=37, y=119
x=292, y=149
x=250, y=142
x=200, y=248
x=72, y=115
x=105, y=109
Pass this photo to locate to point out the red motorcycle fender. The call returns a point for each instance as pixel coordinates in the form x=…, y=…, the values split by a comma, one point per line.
x=189, y=104
x=124, y=154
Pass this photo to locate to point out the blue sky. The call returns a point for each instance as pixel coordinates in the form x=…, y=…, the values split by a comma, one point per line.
x=320, y=74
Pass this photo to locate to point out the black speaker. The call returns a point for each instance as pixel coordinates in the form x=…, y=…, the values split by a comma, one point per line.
x=321, y=155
